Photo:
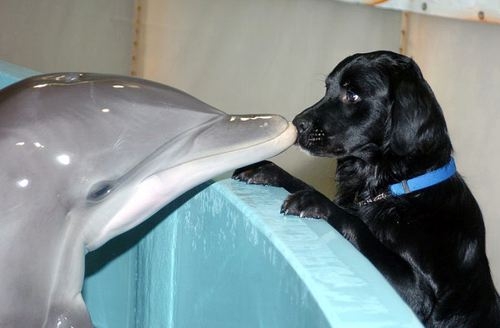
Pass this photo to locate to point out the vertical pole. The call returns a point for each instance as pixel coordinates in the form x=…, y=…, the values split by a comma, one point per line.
x=403, y=41
x=135, y=67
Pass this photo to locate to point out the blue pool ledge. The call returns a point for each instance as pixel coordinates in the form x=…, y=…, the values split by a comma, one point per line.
x=223, y=256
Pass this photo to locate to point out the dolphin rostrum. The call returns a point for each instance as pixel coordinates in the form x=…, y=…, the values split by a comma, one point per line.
x=86, y=157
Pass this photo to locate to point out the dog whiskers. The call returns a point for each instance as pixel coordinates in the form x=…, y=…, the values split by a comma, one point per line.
x=316, y=136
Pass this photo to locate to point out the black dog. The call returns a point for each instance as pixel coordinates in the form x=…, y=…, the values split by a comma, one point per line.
x=400, y=201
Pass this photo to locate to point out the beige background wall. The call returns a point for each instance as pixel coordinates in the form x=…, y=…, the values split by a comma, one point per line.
x=260, y=56
x=272, y=56
x=461, y=62
x=67, y=35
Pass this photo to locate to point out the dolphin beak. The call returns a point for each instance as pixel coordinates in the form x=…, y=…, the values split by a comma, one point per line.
x=224, y=145
x=267, y=135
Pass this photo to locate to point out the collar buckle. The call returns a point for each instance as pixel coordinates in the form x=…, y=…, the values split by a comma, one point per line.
x=370, y=200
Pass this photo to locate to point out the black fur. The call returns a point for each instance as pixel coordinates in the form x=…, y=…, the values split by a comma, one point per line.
x=381, y=120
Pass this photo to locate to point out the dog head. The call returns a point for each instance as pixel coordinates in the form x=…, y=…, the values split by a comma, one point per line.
x=375, y=104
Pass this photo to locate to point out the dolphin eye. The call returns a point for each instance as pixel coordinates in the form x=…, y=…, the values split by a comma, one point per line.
x=100, y=190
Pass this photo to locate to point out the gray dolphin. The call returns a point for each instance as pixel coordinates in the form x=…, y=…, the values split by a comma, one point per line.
x=86, y=157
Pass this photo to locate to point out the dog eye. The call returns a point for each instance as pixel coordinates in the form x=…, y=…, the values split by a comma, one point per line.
x=350, y=97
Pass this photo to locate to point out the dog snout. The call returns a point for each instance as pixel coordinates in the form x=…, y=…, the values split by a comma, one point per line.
x=302, y=124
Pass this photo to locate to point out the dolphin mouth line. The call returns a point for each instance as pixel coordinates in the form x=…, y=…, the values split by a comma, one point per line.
x=290, y=128
x=180, y=141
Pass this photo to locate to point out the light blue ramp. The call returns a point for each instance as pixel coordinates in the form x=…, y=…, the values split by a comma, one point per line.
x=222, y=256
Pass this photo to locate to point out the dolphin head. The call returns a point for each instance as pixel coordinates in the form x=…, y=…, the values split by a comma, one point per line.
x=87, y=157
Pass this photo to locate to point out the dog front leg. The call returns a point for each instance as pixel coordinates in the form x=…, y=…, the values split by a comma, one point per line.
x=410, y=285
x=269, y=174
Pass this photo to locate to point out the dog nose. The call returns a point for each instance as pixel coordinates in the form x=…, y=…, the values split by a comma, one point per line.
x=301, y=124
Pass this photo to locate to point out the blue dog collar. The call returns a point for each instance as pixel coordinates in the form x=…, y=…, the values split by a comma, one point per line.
x=423, y=181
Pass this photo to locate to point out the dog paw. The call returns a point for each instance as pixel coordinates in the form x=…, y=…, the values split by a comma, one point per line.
x=261, y=173
x=307, y=204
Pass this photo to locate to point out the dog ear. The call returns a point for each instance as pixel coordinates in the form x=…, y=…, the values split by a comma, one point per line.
x=416, y=120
